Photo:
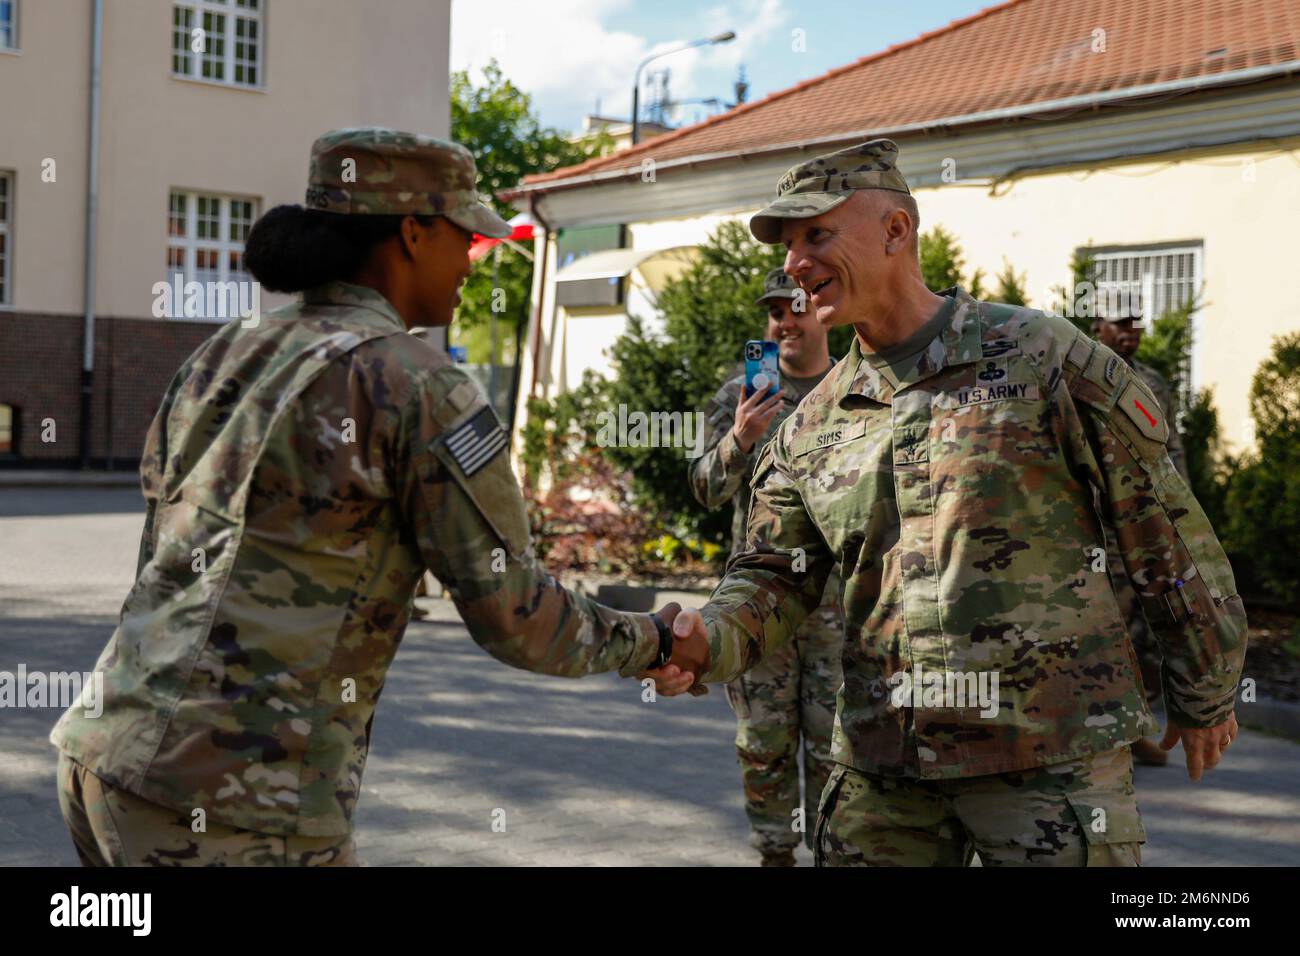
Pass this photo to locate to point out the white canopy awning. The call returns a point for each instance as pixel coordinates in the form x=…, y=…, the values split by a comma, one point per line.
x=659, y=266
x=596, y=280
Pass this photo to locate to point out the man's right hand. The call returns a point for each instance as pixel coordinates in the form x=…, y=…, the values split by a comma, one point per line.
x=753, y=415
x=690, y=658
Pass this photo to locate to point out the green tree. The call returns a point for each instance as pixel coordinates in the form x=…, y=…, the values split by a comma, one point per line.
x=1208, y=469
x=1263, y=498
x=942, y=262
x=495, y=121
x=708, y=314
x=1078, y=302
x=941, y=259
x=1011, y=286
x=1166, y=346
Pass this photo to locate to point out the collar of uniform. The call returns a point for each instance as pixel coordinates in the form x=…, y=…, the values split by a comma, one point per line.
x=355, y=296
x=957, y=344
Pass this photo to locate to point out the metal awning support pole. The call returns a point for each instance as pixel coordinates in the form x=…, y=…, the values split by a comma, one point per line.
x=92, y=209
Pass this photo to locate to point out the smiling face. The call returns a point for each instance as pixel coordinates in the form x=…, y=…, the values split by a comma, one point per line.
x=800, y=338
x=441, y=265
x=844, y=257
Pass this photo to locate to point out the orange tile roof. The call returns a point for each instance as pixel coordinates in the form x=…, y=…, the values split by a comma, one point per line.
x=1011, y=55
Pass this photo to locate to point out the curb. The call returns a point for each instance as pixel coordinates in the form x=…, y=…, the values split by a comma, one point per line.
x=69, y=479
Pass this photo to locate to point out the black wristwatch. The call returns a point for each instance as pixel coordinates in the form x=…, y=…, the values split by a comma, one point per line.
x=665, y=641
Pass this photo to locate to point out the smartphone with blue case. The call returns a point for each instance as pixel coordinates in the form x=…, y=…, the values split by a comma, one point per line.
x=762, y=368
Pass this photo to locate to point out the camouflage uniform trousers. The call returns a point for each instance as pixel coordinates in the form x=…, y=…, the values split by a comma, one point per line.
x=785, y=697
x=111, y=827
x=1075, y=813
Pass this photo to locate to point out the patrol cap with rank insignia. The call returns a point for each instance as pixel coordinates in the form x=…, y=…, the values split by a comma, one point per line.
x=778, y=285
x=821, y=184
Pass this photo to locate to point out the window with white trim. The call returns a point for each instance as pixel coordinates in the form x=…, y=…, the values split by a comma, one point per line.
x=6, y=237
x=205, y=236
x=8, y=430
x=219, y=40
x=8, y=24
x=1162, y=278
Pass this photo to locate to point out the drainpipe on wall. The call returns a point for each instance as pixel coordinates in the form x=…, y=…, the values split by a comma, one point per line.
x=541, y=295
x=92, y=208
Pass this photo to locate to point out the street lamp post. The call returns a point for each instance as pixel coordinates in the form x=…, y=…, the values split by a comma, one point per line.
x=725, y=37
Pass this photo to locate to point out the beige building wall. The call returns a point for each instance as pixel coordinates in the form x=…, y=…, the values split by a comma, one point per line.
x=43, y=115
x=327, y=63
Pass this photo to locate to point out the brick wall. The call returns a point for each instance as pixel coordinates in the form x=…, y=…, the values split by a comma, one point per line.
x=40, y=375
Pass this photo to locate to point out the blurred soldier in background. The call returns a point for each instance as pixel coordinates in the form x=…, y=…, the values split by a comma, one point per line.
x=791, y=694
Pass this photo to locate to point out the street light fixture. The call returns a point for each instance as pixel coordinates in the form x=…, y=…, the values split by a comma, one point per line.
x=725, y=37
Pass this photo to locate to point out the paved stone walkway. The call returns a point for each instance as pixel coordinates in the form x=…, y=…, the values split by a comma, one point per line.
x=585, y=772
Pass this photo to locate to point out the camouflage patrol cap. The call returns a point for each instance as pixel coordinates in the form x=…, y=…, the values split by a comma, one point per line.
x=821, y=184
x=375, y=171
x=777, y=285
x=1118, y=305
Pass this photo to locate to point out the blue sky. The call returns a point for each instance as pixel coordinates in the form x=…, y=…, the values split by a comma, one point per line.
x=568, y=54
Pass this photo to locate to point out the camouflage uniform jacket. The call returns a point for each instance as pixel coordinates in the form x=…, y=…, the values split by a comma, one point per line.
x=299, y=477
x=723, y=471
x=960, y=508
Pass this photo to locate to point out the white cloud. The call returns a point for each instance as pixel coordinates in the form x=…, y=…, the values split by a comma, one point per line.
x=561, y=52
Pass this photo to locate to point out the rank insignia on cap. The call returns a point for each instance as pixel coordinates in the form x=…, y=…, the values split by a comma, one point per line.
x=477, y=442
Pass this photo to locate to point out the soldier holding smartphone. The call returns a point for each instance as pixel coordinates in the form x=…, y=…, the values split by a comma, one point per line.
x=790, y=696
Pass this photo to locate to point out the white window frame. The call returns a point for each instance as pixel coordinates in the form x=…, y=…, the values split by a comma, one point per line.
x=15, y=41
x=1138, y=265
x=191, y=244
x=7, y=230
x=231, y=10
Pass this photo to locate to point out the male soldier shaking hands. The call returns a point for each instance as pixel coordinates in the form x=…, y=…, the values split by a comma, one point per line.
x=949, y=465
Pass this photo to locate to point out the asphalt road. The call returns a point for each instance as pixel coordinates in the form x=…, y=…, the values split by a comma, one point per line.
x=585, y=772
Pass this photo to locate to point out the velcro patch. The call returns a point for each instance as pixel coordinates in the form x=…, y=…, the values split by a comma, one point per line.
x=462, y=396
x=1079, y=353
x=997, y=348
x=477, y=442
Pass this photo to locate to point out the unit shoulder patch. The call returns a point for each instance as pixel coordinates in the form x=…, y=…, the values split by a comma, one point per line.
x=1141, y=407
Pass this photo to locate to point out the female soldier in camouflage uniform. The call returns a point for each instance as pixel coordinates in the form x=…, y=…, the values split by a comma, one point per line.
x=302, y=472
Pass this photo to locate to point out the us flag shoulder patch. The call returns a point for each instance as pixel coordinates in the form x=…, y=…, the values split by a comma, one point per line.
x=477, y=442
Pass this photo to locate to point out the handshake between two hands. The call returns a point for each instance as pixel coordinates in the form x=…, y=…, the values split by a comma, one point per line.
x=690, y=656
